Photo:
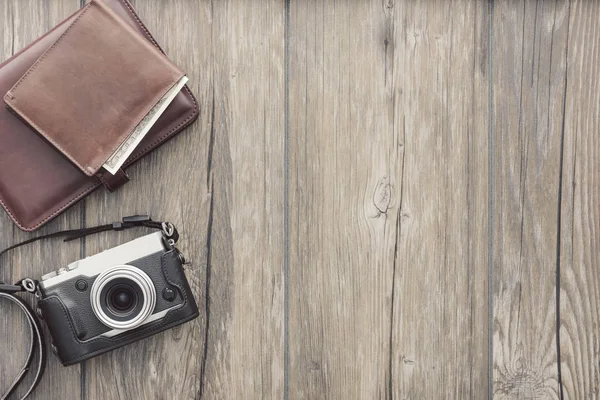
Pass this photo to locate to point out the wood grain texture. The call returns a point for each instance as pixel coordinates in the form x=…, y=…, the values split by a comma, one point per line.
x=23, y=22
x=388, y=206
x=345, y=174
x=245, y=354
x=580, y=233
x=440, y=315
x=529, y=63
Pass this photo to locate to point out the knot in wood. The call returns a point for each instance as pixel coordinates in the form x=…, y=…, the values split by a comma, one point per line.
x=382, y=196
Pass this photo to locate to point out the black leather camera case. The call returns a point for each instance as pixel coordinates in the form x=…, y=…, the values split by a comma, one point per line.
x=76, y=333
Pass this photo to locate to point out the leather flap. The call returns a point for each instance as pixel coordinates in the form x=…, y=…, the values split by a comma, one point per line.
x=90, y=90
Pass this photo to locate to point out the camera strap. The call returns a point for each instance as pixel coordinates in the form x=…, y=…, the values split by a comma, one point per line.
x=37, y=343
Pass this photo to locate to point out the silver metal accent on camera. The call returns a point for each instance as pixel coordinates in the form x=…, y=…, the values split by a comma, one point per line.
x=49, y=275
x=152, y=318
x=134, y=274
x=29, y=285
x=168, y=228
x=94, y=265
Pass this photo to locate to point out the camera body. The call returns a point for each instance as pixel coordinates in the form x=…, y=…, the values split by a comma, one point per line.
x=116, y=297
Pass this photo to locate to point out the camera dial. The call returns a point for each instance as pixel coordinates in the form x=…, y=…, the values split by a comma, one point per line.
x=123, y=297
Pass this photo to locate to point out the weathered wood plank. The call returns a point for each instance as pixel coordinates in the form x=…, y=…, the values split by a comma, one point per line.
x=23, y=22
x=245, y=352
x=529, y=64
x=345, y=177
x=440, y=315
x=580, y=223
x=388, y=134
x=221, y=183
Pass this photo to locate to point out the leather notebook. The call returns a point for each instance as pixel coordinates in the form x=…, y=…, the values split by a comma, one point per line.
x=56, y=146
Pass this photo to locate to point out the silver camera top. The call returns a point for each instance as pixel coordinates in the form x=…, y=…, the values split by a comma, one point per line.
x=96, y=264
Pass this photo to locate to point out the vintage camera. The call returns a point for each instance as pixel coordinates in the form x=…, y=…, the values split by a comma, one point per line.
x=116, y=297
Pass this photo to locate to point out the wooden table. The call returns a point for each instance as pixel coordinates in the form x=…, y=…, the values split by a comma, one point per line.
x=380, y=199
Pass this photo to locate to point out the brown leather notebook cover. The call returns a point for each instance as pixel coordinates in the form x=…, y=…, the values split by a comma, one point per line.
x=37, y=181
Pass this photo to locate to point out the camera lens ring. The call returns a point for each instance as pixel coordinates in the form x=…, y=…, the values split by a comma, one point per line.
x=139, y=278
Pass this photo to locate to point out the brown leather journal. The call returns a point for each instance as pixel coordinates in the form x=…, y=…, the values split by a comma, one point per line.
x=53, y=142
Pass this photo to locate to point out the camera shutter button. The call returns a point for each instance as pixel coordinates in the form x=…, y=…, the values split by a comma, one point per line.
x=169, y=294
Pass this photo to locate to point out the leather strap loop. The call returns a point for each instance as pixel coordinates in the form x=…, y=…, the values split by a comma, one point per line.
x=113, y=182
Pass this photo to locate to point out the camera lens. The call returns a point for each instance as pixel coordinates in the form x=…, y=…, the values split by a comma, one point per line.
x=122, y=300
x=123, y=297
